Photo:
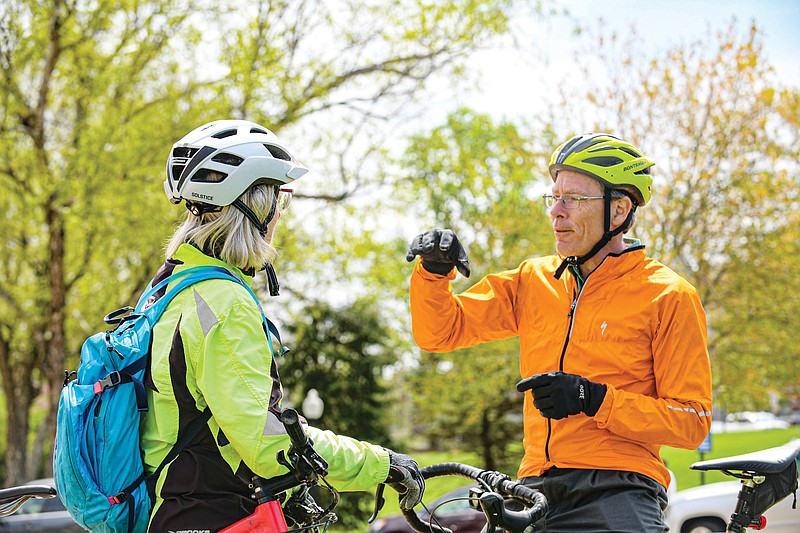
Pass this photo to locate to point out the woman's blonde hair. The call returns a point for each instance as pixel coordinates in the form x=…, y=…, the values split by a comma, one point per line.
x=227, y=234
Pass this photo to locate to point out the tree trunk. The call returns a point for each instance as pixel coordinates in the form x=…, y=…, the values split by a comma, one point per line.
x=43, y=431
x=16, y=419
x=56, y=347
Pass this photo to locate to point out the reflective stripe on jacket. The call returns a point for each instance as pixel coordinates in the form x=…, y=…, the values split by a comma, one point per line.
x=635, y=326
x=210, y=349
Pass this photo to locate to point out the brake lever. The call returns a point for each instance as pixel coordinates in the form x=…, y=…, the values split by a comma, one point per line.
x=379, y=502
x=498, y=517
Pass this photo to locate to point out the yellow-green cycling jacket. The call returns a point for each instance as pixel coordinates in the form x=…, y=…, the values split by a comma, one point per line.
x=635, y=325
x=210, y=349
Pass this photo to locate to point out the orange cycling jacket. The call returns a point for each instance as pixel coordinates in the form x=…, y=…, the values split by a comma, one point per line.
x=635, y=325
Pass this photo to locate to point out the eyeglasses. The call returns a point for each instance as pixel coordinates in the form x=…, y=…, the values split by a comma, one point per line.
x=569, y=201
x=284, y=199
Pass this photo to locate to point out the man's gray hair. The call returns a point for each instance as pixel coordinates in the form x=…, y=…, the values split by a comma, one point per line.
x=227, y=234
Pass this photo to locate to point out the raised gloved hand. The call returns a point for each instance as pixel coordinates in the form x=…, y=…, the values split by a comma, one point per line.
x=440, y=251
x=558, y=395
x=406, y=479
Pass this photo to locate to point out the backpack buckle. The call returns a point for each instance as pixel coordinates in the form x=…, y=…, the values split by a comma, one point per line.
x=111, y=380
x=117, y=498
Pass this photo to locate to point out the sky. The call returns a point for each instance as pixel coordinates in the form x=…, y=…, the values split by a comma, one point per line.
x=510, y=77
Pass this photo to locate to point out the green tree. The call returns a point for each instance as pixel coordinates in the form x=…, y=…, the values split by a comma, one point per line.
x=343, y=353
x=724, y=134
x=478, y=177
x=466, y=400
x=93, y=93
x=77, y=145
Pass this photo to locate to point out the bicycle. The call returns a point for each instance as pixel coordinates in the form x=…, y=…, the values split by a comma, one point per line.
x=278, y=513
x=767, y=476
x=495, y=496
x=12, y=498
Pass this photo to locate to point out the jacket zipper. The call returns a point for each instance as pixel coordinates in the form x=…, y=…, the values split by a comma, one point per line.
x=571, y=316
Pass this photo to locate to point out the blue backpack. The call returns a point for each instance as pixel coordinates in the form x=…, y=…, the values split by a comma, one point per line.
x=98, y=467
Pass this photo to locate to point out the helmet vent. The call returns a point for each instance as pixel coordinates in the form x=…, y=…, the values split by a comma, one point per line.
x=223, y=134
x=184, y=151
x=603, y=161
x=176, y=171
x=259, y=130
x=629, y=151
x=228, y=159
x=208, y=176
x=278, y=153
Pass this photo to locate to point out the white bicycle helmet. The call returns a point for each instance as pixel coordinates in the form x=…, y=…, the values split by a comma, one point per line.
x=215, y=163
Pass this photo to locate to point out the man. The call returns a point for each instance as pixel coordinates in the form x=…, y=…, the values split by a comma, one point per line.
x=612, y=343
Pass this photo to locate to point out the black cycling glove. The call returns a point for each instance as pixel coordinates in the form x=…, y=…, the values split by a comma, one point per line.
x=440, y=251
x=558, y=395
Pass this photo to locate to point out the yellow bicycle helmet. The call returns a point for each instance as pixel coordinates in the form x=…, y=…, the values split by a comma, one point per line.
x=617, y=164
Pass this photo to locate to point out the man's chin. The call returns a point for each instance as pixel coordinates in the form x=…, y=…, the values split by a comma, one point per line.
x=563, y=249
x=568, y=251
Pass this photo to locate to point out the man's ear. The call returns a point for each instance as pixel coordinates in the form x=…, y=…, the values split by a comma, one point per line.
x=620, y=208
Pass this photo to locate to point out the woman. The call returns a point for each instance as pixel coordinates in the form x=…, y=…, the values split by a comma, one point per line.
x=210, y=348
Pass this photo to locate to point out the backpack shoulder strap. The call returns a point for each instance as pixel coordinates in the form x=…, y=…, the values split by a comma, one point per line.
x=189, y=277
x=186, y=278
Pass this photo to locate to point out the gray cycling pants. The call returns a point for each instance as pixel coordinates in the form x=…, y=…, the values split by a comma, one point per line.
x=600, y=500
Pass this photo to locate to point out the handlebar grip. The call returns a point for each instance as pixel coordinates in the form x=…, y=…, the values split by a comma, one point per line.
x=522, y=492
x=291, y=421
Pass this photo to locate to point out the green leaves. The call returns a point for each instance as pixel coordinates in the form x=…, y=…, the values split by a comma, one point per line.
x=92, y=96
x=484, y=180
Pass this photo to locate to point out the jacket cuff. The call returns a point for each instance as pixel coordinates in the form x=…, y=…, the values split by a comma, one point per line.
x=604, y=412
x=422, y=271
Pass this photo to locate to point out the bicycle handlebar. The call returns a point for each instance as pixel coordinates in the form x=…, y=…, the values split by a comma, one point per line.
x=491, y=503
x=291, y=421
x=12, y=498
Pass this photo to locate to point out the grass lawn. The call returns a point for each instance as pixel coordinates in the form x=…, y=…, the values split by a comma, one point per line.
x=723, y=445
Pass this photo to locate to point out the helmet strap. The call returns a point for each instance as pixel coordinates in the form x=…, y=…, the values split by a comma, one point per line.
x=262, y=226
x=608, y=234
x=251, y=216
x=272, y=280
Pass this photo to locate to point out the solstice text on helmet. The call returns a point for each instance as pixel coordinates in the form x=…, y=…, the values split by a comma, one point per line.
x=202, y=196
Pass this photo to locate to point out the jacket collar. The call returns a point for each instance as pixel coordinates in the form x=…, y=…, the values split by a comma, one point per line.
x=191, y=256
x=615, y=265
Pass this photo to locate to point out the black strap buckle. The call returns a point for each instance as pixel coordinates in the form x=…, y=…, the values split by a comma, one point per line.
x=111, y=380
x=118, y=498
x=69, y=376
